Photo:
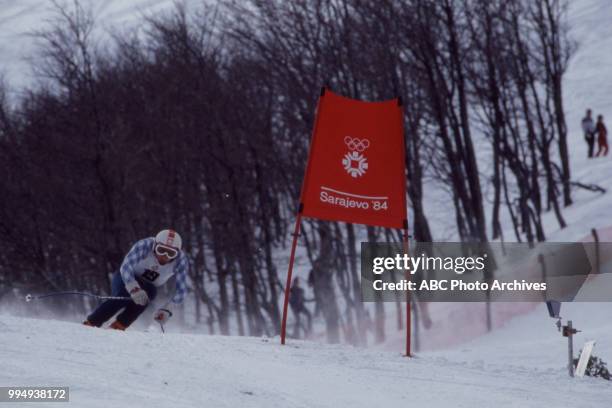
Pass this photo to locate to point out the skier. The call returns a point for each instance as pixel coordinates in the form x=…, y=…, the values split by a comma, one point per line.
x=602, y=137
x=148, y=265
x=588, y=127
x=296, y=300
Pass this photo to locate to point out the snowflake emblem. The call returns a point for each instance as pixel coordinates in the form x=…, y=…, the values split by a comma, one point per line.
x=355, y=164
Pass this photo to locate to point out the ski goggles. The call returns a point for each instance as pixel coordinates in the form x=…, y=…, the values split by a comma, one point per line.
x=167, y=251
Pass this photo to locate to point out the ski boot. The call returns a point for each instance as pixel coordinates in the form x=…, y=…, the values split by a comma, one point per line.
x=117, y=326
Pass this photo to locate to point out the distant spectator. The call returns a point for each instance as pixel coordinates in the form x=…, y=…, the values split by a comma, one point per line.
x=588, y=128
x=312, y=284
x=298, y=307
x=602, y=137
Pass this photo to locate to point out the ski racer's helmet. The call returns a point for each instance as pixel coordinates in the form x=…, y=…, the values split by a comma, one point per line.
x=169, y=238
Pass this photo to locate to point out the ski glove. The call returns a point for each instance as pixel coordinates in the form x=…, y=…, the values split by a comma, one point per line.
x=139, y=296
x=162, y=315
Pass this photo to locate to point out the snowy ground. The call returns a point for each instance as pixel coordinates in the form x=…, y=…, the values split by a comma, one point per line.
x=522, y=363
x=137, y=369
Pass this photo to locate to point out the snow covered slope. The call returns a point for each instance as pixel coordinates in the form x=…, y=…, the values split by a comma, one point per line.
x=533, y=340
x=520, y=364
x=587, y=84
x=137, y=369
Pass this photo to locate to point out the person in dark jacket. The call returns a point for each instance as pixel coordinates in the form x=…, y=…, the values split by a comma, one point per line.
x=588, y=128
x=298, y=307
x=602, y=137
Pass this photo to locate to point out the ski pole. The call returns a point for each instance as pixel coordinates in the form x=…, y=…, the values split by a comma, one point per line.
x=29, y=297
x=161, y=325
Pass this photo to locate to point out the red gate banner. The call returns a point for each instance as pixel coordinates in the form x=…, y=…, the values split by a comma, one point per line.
x=355, y=173
x=356, y=164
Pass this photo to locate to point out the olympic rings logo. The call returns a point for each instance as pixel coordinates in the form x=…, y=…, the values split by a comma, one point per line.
x=356, y=144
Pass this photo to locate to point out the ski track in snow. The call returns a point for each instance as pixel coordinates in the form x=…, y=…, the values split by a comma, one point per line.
x=139, y=369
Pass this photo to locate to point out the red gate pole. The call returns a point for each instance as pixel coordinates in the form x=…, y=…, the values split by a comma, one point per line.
x=408, y=299
x=296, y=233
x=298, y=219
